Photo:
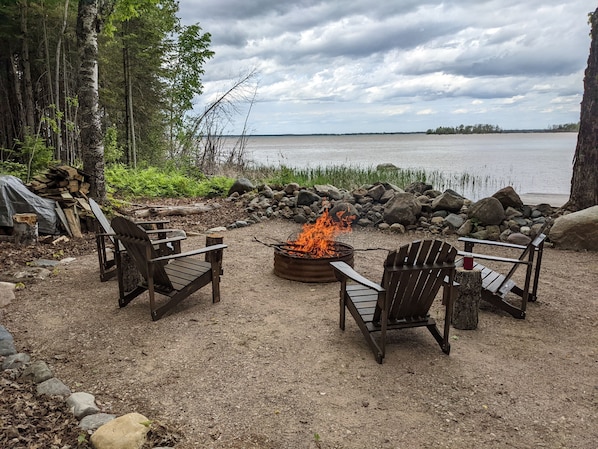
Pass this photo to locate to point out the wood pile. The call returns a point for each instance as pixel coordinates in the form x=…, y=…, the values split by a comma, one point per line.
x=67, y=186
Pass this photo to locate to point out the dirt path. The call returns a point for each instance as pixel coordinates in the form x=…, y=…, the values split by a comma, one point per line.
x=268, y=367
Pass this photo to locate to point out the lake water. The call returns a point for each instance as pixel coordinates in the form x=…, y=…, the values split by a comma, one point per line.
x=530, y=162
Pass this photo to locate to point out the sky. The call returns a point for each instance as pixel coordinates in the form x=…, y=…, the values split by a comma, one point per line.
x=363, y=66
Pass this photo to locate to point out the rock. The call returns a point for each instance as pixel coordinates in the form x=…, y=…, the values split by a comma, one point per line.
x=346, y=210
x=7, y=347
x=82, y=404
x=403, y=208
x=37, y=372
x=454, y=221
x=328, y=191
x=376, y=192
x=488, y=211
x=306, y=198
x=397, y=228
x=125, y=432
x=291, y=188
x=418, y=187
x=53, y=387
x=466, y=228
x=577, y=231
x=386, y=167
x=15, y=361
x=241, y=186
x=508, y=198
x=92, y=422
x=519, y=239
x=7, y=293
x=448, y=201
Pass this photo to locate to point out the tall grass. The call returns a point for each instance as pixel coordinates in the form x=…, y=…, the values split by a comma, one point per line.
x=154, y=182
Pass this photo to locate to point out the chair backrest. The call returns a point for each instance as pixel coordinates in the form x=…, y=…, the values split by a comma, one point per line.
x=139, y=247
x=413, y=274
x=97, y=211
x=528, y=253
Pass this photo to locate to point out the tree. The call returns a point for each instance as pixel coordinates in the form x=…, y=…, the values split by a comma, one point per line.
x=584, y=182
x=90, y=123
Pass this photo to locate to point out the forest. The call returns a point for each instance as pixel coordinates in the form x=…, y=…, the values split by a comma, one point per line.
x=149, y=75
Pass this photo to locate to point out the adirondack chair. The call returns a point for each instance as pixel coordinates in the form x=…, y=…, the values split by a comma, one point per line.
x=175, y=276
x=105, y=237
x=496, y=286
x=413, y=275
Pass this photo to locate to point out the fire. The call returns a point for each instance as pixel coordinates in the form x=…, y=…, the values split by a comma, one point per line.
x=317, y=240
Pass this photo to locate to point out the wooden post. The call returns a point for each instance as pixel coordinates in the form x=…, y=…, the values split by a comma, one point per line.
x=25, y=229
x=467, y=301
x=215, y=259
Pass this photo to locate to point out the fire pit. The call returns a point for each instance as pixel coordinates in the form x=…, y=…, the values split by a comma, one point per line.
x=297, y=266
x=307, y=258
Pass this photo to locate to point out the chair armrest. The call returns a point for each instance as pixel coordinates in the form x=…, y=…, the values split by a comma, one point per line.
x=493, y=258
x=151, y=222
x=167, y=240
x=161, y=231
x=344, y=270
x=207, y=249
x=491, y=243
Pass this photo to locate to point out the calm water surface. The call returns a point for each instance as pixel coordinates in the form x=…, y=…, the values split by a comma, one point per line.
x=530, y=162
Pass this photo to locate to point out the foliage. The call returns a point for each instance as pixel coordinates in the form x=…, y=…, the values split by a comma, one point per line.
x=35, y=154
x=14, y=169
x=469, y=129
x=113, y=152
x=153, y=182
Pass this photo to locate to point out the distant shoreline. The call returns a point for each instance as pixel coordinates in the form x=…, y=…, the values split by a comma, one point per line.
x=511, y=131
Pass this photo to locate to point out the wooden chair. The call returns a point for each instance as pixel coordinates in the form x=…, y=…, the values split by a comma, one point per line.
x=105, y=237
x=496, y=286
x=176, y=276
x=413, y=275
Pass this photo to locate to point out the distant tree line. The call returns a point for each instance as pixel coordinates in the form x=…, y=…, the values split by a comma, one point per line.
x=493, y=129
x=466, y=129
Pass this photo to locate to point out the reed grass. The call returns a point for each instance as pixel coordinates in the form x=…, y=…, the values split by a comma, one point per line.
x=351, y=177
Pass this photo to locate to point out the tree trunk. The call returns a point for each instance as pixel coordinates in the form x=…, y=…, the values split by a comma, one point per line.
x=28, y=84
x=584, y=182
x=92, y=145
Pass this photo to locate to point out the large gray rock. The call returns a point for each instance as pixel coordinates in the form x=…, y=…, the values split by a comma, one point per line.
x=509, y=198
x=577, y=231
x=328, y=191
x=403, y=208
x=488, y=211
x=37, y=372
x=448, y=201
x=53, y=387
x=305, y=198
x=344, y=211
x=241, y=186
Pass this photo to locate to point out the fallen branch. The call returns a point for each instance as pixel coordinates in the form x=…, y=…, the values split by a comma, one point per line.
x=163, y=211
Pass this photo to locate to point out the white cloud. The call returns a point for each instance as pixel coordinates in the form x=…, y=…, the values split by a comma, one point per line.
x=366, y=63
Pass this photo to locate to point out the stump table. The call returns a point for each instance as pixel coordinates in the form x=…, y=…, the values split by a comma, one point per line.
x=468, y=297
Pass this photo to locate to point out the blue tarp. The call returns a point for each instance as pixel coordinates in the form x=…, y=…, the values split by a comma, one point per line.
x=16, y=198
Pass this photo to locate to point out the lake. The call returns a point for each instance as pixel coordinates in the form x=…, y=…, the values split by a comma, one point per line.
x=533, y=163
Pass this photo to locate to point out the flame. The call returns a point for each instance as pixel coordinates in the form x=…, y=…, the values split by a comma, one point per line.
x=317, y=239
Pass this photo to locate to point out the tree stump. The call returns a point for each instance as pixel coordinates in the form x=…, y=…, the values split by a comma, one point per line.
x=24, y=229
x=467, y=302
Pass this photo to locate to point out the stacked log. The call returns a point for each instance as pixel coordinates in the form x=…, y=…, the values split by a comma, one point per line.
x=67, y=186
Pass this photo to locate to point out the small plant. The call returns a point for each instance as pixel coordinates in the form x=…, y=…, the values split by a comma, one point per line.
x=317, y=439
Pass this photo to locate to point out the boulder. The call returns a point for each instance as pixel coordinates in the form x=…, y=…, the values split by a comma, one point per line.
x=125, y=432
x=328, y=191
x=448, y=201
x=488, y=211
x=403, y=208
x=508, y=198
x=577, y=231
x=241, y=186
x=305, y=198
x=345, y=210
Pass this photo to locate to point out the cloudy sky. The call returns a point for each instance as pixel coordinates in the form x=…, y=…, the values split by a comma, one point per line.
x=344, y=66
